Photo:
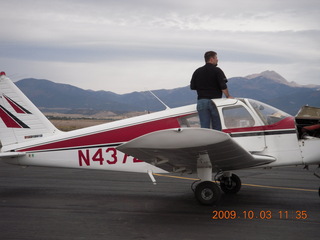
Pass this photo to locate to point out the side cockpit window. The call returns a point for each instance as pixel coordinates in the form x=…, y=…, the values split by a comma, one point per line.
x=237, y=117
x=268, y=114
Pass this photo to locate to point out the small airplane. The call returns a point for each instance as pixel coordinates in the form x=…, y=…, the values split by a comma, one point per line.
x=254, y=135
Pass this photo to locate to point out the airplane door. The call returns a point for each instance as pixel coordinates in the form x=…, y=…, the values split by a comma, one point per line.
x=243, y=126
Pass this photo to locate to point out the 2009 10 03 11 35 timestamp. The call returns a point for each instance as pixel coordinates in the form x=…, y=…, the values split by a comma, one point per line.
x=262, y=214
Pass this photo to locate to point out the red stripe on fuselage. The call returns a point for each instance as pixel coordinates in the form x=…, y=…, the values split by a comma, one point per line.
x=119, y=135
x=285, y=124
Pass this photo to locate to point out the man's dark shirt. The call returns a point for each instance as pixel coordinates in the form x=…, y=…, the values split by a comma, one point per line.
x=209, y=81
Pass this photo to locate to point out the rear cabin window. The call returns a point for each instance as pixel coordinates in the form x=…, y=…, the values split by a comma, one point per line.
x=237, y=117
x=190, y=121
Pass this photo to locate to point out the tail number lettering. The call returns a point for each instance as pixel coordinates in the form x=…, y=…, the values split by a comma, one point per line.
x=109, y=156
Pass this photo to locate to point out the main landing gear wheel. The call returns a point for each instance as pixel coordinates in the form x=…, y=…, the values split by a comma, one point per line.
x=207, y=193
x=230, y=185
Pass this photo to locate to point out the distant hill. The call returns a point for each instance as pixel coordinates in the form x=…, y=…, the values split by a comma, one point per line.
x=271, y=88
x=267, y=86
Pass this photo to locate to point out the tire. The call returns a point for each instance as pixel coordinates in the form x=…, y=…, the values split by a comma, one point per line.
x=207, y=193
x=230, y=187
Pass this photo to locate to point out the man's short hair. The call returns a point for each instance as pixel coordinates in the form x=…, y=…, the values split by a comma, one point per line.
x=209, y=55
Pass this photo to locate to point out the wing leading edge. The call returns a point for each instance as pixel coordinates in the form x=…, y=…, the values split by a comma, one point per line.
x=178, y=150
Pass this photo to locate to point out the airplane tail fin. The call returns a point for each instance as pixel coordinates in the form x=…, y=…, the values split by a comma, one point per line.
x=20, y=119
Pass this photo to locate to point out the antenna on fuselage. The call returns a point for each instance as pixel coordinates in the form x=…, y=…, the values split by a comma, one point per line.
x=167, y=108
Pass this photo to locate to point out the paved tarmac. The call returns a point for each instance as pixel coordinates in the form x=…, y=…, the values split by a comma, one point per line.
x=50, y=203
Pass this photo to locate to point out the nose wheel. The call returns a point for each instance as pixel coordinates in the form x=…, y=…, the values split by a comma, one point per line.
x=230, y=184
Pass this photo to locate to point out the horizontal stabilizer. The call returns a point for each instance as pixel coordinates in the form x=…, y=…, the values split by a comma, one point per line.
x=12, y=154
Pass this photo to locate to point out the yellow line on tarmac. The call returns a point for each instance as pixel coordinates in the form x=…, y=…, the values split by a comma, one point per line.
x=283, y=188
x=170, y=176
x=250, y=185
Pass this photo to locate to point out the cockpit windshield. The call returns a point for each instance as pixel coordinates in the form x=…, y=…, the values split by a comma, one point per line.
x=268, y=114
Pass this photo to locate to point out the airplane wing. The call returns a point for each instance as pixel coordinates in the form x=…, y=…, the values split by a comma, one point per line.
x=178, y=150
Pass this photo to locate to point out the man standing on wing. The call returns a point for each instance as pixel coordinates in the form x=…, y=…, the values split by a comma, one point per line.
x=210, y=82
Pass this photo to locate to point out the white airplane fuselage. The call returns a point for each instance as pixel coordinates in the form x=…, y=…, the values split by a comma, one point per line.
x=96, y=147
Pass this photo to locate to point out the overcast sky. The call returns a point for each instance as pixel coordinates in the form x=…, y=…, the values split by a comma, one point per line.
x=137, y=45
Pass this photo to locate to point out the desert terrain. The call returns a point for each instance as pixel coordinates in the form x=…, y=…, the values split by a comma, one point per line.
x=69, y=122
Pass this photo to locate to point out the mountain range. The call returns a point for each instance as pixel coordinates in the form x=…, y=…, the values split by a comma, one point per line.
x=268, y=87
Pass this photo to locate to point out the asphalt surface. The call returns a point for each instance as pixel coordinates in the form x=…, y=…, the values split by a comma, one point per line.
x=50, y=203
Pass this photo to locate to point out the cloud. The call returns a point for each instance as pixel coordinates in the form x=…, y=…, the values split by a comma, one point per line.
x=158, y=41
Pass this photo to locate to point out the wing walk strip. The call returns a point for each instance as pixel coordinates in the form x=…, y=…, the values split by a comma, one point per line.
x=250, y=185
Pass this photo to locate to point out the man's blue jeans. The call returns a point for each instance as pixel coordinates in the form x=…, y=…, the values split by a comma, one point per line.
x=208, y=114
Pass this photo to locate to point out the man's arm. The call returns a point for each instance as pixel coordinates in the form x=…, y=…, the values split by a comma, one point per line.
x=193, y=82
x=226, y=93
